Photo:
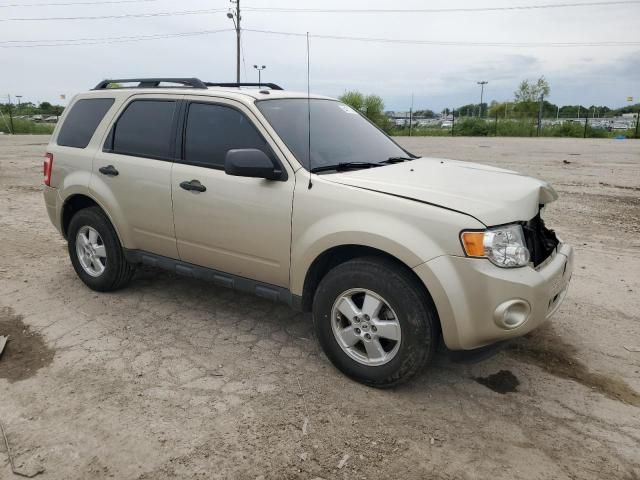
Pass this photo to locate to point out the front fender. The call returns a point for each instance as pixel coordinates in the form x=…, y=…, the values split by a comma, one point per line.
x=327, y=234
x=330, y=215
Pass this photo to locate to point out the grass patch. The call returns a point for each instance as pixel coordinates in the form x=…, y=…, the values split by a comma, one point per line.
x=21, y=126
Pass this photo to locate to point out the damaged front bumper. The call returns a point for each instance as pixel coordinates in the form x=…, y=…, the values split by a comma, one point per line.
x=480, y=304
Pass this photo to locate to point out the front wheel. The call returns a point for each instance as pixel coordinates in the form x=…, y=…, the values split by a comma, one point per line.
x=374, y=321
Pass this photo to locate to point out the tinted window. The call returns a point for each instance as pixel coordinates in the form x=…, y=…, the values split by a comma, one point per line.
x=212, y=130
x=338, y=132
x=145, y=129
x=82, y=121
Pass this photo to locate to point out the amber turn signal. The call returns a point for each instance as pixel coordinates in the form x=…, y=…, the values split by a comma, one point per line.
x=473, y=243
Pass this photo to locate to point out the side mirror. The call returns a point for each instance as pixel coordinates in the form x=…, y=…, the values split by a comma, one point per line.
x=251, y=162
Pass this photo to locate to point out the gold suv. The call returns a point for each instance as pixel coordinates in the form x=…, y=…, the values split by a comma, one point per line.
x=300, y=199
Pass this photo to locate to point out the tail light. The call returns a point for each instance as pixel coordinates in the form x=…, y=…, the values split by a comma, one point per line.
x=47, y=168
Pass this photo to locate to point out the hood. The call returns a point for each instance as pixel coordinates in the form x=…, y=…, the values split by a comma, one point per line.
x=493, y=196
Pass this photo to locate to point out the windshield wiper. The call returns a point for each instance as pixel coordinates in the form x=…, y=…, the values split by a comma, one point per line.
x=396, y=159
x=341, y=167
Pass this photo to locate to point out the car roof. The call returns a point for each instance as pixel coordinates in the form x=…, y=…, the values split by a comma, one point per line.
x=245, y=95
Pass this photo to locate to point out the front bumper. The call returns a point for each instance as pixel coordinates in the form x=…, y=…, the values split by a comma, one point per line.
x=471, y=293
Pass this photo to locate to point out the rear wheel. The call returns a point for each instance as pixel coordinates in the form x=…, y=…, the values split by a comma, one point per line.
x=374, y=321
x=96, y=253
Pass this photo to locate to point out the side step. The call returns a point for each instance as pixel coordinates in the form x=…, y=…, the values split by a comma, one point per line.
x=260, y=289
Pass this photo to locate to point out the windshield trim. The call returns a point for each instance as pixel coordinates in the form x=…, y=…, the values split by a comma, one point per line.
x=326, y=100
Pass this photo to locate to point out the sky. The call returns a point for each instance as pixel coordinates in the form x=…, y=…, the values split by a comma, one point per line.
x=437, y=76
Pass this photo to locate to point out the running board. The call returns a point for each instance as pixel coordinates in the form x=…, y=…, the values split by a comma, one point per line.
x=242, y=284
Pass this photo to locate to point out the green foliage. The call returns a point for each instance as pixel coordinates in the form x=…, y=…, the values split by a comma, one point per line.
x=472, y=127
x=479, y=127
x=529, y=91
x=628, y=109
x=516, y=128
x=527, y=96
x=354, y=99
x=22, y=126
x=471, y=109
x=371, y=106
x=424, y=113
x=29, y=108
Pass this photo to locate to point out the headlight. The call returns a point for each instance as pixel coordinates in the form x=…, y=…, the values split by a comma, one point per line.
x=503, y=246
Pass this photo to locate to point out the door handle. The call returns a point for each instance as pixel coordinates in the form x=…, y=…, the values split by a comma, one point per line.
x=194, y=186
x=109, y=170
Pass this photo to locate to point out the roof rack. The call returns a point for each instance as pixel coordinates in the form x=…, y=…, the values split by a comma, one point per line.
x=272, y=86
x=152, y=82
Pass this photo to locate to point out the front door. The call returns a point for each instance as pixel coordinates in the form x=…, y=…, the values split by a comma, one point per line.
x=236, y=225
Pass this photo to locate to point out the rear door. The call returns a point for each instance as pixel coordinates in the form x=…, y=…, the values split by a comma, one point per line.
x=237, y=225
x=132, y=173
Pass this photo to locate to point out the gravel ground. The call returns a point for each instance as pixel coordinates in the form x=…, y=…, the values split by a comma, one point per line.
x=176, y=378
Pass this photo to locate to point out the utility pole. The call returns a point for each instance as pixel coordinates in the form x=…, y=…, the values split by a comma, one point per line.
x=482, y=84
x=18, y=110
x=236, y=23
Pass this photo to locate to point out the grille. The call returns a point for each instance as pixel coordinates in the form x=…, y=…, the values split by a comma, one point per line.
x=541, y=241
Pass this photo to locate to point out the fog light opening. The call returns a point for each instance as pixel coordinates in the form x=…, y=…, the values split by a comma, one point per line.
x=512, y=313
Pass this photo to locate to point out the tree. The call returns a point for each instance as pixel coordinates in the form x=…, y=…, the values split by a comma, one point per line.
x=500, y=109
x=354, y=99
x=424, y=113
x=45, y=106
x=471, y=109
x=528, y=91
x=528, y=95
x=371, y=106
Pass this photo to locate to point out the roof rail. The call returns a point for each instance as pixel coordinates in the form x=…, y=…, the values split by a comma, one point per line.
x=152, y=82
x=272, y=86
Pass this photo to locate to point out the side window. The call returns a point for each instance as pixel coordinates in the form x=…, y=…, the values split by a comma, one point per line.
x=82, y=120
x=145, y=129
x=213, y=130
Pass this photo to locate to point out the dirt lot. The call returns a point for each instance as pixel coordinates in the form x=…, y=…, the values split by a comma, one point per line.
x=176, y=378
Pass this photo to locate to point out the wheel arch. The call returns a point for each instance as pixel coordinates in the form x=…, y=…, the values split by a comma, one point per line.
x=339, y=254
x=79, y=201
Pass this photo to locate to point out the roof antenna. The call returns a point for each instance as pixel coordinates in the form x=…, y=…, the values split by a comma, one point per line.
x=309, y=114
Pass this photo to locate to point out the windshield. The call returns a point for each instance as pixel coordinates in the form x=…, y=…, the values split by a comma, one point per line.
x=339, y=134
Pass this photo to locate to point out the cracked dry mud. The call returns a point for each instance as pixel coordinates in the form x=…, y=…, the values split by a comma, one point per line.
x=177, y=378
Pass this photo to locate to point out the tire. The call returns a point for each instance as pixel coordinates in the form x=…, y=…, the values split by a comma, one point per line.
x=406, y=305
x=113, y=271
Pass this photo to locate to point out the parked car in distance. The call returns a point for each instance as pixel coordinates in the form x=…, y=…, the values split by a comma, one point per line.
x=388, y=251
x=446, y=124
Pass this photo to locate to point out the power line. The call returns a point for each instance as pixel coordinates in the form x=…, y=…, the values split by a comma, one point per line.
x=452, y=43
x=64, y=4
x=294, y=10
x=135, y=38
x=441, y=10
x=128, y=15
x=104, y=40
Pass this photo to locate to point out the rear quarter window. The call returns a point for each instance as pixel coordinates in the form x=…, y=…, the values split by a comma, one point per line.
x=82, y=120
